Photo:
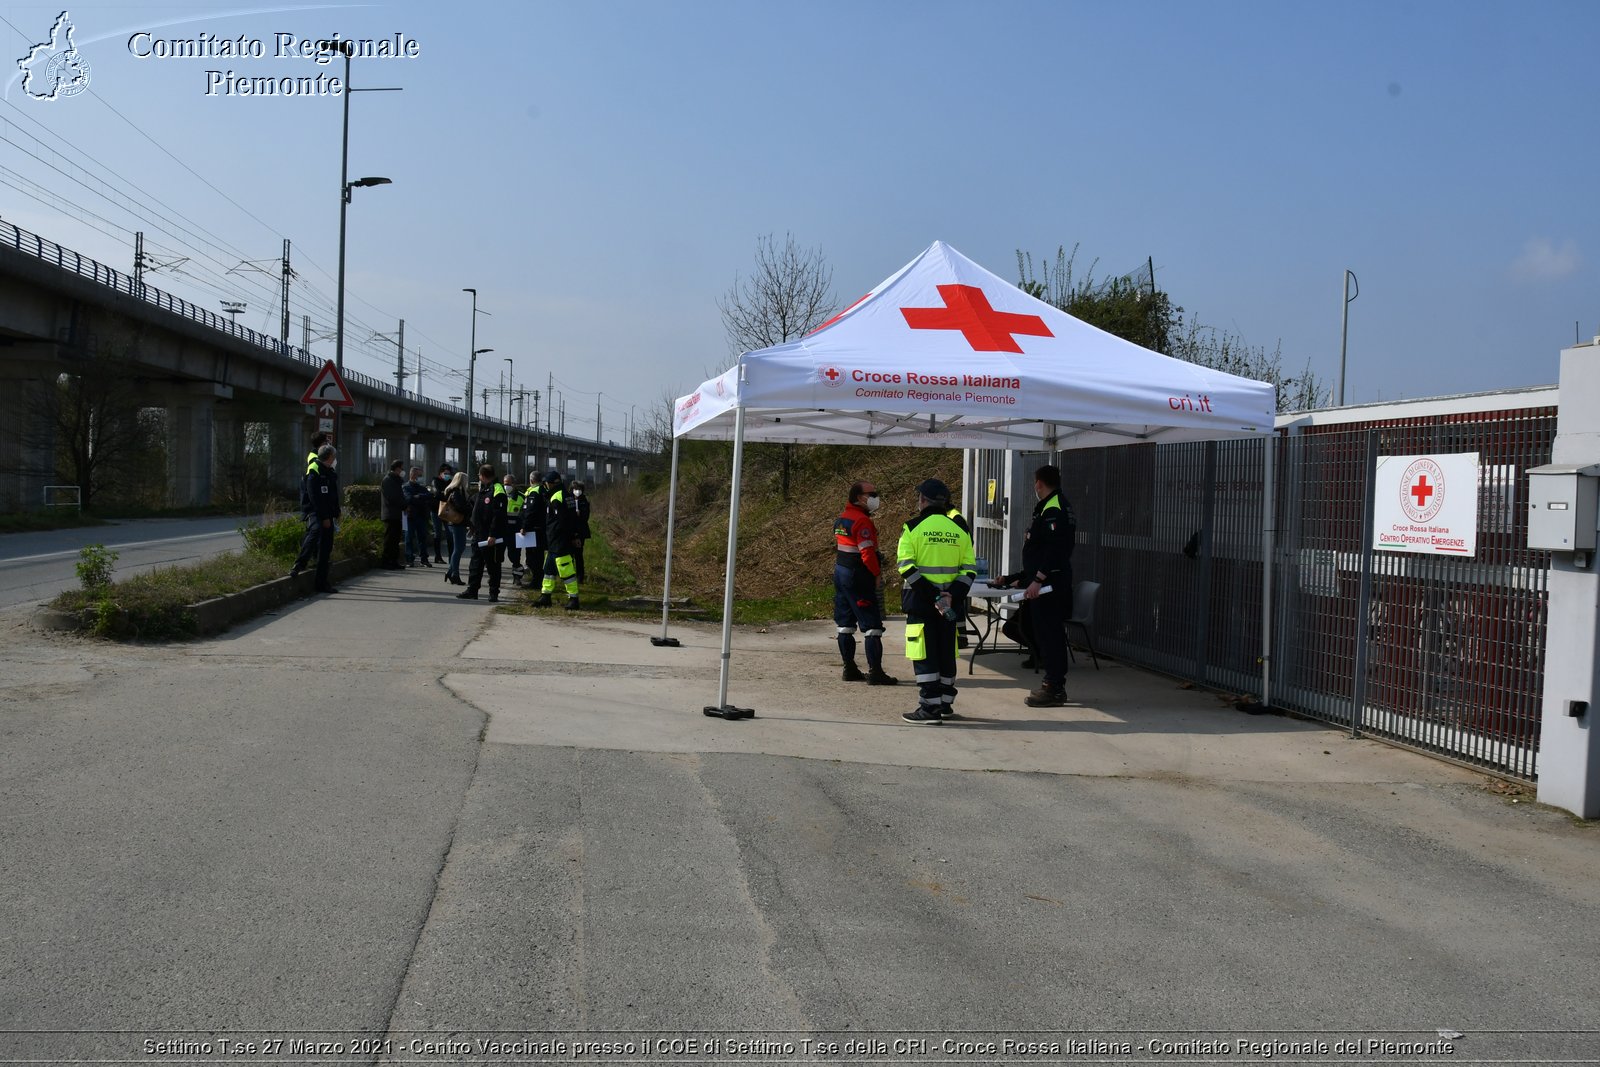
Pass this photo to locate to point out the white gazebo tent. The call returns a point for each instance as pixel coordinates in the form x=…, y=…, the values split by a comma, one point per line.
x=944, y=354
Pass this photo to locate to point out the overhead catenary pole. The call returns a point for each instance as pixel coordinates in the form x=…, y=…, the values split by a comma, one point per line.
x=400, y=359
x=283, y=323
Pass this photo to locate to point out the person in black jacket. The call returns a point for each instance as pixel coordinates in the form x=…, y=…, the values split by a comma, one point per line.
x=391, y=506
x=441, y=536
x=531, y=522
x=580, y=526
x=559, y=523
x=1047, y=561
x=420, y=507
x=489, y=529
x=320, y=494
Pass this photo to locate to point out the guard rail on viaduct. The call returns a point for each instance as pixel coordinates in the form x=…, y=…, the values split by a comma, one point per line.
x=223, y=390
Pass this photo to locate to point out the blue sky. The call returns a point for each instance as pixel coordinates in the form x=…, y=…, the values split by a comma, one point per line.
x=600, y=172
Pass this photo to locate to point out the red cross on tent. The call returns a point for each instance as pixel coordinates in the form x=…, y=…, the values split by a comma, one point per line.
x=967, y=309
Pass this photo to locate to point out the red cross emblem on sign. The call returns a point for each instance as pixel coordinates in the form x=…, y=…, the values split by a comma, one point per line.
x=1422, y=491
x=967, y=309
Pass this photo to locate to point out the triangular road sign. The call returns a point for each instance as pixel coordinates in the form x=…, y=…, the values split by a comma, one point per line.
x=328, y=388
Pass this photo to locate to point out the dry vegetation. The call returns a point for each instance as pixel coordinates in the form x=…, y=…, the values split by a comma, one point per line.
x=783, y=547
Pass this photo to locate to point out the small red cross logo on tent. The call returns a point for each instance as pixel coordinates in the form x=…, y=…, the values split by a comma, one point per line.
x=967, y=309
x=328, y=388
x=1422, y=491
x=830, y=375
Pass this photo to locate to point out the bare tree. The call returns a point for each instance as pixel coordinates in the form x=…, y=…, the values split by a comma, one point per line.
x=105, y=441
x=786, y=296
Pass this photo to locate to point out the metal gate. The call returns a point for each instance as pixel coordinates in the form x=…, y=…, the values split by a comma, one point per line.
x=1446, y=655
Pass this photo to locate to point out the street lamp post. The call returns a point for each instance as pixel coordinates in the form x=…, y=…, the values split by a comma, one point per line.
x=1344, y=330
x=472, y=363
x=347, y=49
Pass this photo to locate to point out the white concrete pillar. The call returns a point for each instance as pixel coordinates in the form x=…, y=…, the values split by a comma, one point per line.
x=1569, y=753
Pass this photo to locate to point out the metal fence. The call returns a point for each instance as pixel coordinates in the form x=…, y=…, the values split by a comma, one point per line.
x=1438, y=653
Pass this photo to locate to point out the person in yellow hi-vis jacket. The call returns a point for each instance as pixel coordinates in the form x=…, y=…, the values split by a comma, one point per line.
x=558, y=532
x=937, y=567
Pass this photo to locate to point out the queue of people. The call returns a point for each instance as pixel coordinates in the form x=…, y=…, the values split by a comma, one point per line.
x=447, y=512
x=937, y=565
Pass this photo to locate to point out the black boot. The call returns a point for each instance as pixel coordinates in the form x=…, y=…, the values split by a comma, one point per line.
x=572, y=603
x=544, y=601
x=852, y=673
x=876, y=676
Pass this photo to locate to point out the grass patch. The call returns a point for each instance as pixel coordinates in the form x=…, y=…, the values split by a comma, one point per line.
x=155, y=605
x=813, y=601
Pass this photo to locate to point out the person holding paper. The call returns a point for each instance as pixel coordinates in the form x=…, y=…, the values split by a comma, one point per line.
x=1047, y=575
x=488, y=530
x=530, y=532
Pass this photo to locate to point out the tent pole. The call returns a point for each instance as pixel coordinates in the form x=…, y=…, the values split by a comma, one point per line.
x=722, y=707
x=1269, y=507
x=666, y=579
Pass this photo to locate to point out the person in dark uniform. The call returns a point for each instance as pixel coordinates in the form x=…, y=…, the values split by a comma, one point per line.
x=1047, y=561
x=857, y=576
x=558, y=527
x=531, y=526
x=308, y=544
x=391, y=509
x=321, y=489
x=488, y=530
x=937, y=567
x=580, y=526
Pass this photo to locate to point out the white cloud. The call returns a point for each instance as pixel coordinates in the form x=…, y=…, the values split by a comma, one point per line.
x=1543, y=260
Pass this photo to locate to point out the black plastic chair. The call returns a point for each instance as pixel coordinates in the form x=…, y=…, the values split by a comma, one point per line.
x=1083, y=597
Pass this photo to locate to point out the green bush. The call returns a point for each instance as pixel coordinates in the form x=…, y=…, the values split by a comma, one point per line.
x=279, y=539
x=358, y=537
x=362, y=501
x=94, y=567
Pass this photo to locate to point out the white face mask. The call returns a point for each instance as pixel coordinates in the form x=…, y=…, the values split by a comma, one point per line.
x=872, y=503
x=577, y=492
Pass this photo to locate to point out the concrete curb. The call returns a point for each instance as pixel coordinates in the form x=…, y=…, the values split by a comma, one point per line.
x=215, y=615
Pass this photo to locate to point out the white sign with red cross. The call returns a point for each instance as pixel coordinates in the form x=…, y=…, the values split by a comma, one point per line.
x=1426, y=504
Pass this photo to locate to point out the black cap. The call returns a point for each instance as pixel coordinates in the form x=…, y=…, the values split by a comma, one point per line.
x=552, y=476
x=934, y=489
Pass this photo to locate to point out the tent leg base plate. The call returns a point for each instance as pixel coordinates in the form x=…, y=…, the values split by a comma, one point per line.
x=729, y=712
x=665, y=642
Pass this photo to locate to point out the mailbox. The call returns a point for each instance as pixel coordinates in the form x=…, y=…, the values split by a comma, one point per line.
x=1562, y=506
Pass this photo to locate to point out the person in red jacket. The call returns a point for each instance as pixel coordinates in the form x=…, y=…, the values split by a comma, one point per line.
x=857, y=577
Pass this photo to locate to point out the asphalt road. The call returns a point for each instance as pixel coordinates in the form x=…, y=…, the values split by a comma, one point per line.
x=36, y=566
x=404, y=825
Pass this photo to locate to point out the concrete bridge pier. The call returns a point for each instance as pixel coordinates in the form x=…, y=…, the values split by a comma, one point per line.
x=191, y=454
x=428, y=453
